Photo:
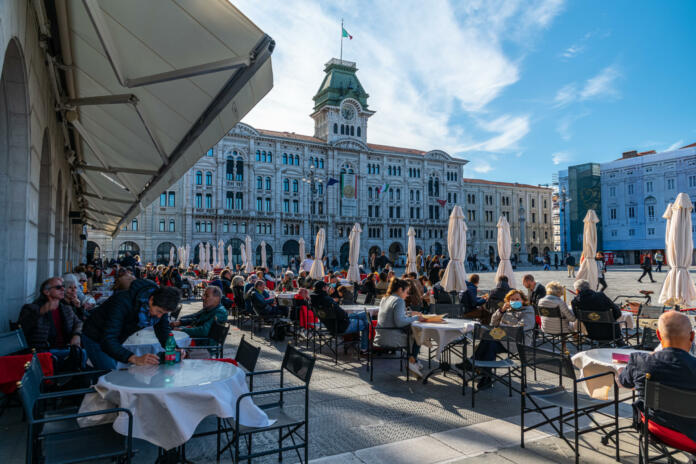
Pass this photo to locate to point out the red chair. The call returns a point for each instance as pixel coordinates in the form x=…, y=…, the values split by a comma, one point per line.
x=12, y=369
x=270, y=284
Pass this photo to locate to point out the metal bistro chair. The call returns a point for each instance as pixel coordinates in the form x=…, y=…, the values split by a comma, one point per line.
x=453, y=310
x=505, y=335
x=556, y=340
x=218, y=333
x=647, y=312
x=601, y=318
x=667, y=400
x=571, y=404
x=401, y=351
x=325, y=334
x=13, y=342
x=300, y=366
x=649, y=340
x=59, y=439
x=361, y=298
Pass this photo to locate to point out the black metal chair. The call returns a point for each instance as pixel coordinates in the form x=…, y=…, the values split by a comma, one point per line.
x=13, y=342
x=571, y=404
x=667, y=400
x=508, y=337
x=247, y=356
x=300, y=366
x=218, y=333
x=383, y=352
x=453, y=311
x=174, y=315
x=59, y=439
x=325, y=333
x=361, y=298
x=556, y=340
x=605, y=321
x=648, y=340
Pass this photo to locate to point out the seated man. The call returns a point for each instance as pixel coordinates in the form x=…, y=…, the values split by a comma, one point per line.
x=672, y=366
x=336, y=320
x=471, y=302
x=440, y=295
x=535, y=291
x=589, y=300
x=143, y=305
x=49, y=325
x=198, y=325
x=263, y=303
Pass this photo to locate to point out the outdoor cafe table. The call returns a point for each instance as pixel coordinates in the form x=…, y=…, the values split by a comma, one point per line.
x=285, y=295
x=169, y=401
x=597, y=361
x=145, y=341
x=443, y=333
x=358, y=308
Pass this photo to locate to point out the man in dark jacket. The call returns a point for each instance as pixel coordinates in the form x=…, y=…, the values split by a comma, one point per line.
x=589, y=300
x=124, y=313
x=198, y=325
x=471, y=302
x=382, y=261
x=646, y=265
x=336, y=320
x=50, y=325
x=497, y=296
x=263, y=305
x=570, y=264
x=535, y=291
x=440, y=295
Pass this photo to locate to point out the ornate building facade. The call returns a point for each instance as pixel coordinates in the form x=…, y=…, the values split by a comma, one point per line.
x=279, y=187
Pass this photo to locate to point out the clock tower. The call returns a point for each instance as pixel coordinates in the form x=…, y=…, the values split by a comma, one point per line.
x=340, y=105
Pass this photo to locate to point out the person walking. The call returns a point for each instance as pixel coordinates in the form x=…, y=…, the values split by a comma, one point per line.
x=570, y=264
x=659, y=258
x=646, y=265
x=547, y=262
x=601, y=269
x=555, y=261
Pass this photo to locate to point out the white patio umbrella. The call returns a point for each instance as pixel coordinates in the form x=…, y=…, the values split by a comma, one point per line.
x=188, y=254
x=678, y=288
x=263, y=253
x=668, y=229
x=354, y=253
x=504, y=250
x=454, y=278
x=317, y=270
x=229, y=256
x=588, y=267
x=411, y=251
x=214, y=255
x=201, y=254
x=171, y=256
x=302, y=250
x=242, y=254
x=207, y=256
x=180, y=255
x=250, y=253
x=221, y=253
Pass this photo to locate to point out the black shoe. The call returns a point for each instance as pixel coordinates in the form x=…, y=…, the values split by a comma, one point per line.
x=465, y=365
x=653, y=281
x=484, y=384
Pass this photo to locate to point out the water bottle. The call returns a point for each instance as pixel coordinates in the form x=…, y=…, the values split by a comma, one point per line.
x=170, y=350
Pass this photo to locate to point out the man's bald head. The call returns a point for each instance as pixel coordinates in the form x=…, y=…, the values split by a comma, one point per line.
x=674, y=330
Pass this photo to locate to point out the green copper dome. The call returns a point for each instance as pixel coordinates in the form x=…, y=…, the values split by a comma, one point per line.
x=340, y=82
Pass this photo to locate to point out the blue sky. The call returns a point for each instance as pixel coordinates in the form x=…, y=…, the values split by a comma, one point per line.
x=519, y=88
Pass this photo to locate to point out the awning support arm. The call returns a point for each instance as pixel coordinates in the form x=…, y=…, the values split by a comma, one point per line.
x=117, y=170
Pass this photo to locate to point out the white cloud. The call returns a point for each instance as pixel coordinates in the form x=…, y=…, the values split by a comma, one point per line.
x=565, y=122
x=603, y=84
x=572, y=51
x=675, y=145
x=420, y=82
x=560, y=157
x=480, y=166
x=566, y=94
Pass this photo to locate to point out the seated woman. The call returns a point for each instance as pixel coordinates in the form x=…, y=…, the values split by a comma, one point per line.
x=71, y=299
x=383, y=283
x=414, y=299
x=238, y=292
x=391, y=317
x=369, y=287
x=552, y=300
x=345, y=295
x=226, y=279
x=515, y=312
x=305, y=315
x=286, y=284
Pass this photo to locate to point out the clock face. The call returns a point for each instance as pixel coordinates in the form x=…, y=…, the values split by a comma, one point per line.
x=348, y=112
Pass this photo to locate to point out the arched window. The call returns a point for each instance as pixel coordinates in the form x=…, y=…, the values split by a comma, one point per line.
x=240, y=169
x=209, y=227
x=199, y=178
x=238, y=200
x=321, y=163
x=358, y=131
x=198, y=226
x=163, y=250
x=286, y=185
x=229, y=171
x=343, y=129
x=208, y=178
x=268, y=183
x=297, y=160
x=285, y=158
x=295, y=186
x=430, y=187
x=229, y=200
x=199, y=200
x=172, y=225
x=311, y=160
x=352, y=130
x=369, y=193
x=270, y=157
x=259, y=182
x=161, y=225
x=258, y=155
x=208, y=201
x=263, y=156
x=437, y=187
x=335, y=128
x=134, y=224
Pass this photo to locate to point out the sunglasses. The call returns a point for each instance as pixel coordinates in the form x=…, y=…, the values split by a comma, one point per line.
x=58, y=287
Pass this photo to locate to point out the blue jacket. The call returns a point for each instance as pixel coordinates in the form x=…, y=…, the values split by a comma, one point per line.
x=470, y=299
x=112, y=322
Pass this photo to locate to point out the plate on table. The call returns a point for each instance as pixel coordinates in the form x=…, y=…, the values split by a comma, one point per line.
x=435, y=318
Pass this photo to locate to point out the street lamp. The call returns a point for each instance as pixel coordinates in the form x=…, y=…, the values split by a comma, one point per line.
x=311, y=179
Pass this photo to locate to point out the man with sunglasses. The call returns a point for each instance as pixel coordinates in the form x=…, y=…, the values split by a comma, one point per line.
x=49, y=325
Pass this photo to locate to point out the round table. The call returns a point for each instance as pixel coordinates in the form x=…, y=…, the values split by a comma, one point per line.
x=285, y=295
x=145, y=341
x=443, y=333
x=597, y=361
x=169, y=401
x=357, y=308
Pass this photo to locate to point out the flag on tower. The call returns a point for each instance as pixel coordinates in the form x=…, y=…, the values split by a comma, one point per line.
x=345, y=33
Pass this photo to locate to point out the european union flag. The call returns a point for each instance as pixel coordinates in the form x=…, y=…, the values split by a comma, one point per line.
x=331, y=182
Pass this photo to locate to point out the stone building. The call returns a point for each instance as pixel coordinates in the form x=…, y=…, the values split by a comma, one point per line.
x=280, y=186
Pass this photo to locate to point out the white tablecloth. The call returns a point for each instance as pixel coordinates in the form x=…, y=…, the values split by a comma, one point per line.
x=145, y=341
x=352, y=309
x=286, y=295
x=596, y=361
x=443, y=333
x=168, y=402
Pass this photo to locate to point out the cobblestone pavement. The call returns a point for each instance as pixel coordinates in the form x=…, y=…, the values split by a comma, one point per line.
x=350, y=414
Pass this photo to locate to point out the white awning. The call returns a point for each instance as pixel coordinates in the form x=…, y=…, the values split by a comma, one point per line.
x=155, y=84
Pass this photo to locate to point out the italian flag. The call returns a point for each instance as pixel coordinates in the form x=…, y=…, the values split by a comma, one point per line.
x=383, y=188
x=345, y=33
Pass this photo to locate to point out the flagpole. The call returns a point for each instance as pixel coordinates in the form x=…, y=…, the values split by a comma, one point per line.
x=341, y=40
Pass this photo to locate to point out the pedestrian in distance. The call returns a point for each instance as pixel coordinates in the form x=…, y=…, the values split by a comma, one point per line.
x=659, y=259
x=570, y=264
x=646, y=265
x=601, y=269
x=555, y=261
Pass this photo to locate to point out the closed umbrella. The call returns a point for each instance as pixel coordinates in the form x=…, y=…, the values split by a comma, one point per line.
x=263, y=253
x=180, y=255
x=317, y=270
x=221, y=253
x=411, y=251
x=188, y=254
x=302, y=250
x=229, y=256
x=214, y=254
x=201, y=254
x=678, y=288
x=242, y=255
x=668, y=224
x=249, y=263
x=454, y=278
x=207, y=256
x=354, y=254
x=588, y=267
x=504, y=250
x=171, y=256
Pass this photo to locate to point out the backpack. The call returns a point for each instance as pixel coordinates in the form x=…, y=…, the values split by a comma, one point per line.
x=278, y=331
